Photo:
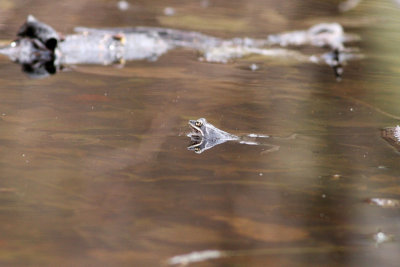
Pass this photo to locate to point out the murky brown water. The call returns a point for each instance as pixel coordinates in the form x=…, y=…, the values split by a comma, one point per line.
x=94, y=165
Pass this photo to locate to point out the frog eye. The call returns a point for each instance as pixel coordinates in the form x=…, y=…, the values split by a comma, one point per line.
x=198, y=123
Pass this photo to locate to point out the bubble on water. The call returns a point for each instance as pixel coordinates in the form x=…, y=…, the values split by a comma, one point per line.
x=169, y=11
x=348, y=5
x=123, y=5
x=381, y=237
x=254, y=67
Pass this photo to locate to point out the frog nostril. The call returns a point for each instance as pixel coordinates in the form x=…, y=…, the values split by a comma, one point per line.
x=51, y=44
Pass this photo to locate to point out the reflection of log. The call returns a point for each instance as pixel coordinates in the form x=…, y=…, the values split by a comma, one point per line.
x=389, y=134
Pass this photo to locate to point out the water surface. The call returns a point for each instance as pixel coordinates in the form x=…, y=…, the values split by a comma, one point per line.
x=94, y=165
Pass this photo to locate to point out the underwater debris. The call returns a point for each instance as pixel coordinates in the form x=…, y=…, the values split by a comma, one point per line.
x=384, y=202
x=42, y=51
x=392, y=136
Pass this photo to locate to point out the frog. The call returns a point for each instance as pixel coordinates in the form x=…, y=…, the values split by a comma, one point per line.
x=205, y=136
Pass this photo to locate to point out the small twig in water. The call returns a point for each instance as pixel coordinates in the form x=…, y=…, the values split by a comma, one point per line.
x=200, y=256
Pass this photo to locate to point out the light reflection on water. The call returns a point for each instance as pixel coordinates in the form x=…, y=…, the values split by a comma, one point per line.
x=95, y=169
